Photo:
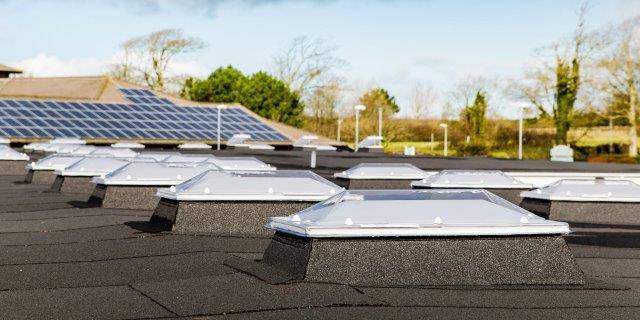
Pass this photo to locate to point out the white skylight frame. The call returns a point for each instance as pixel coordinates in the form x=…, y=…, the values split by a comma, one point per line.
x=54, y=162
x=284, y=185
x=67, y=141
x=194, y=146
x=4, y=140
x=584, y=190
x=386, y=171
x=82, y=150
x=128, y=145
x=114, y=152
x=241, y=164
x=542, y=178
x=8, y=154
x=188, y=158
x=154, y=173
x=97, y=166
x=472, y=179
x=355, y=214
x=158, y=156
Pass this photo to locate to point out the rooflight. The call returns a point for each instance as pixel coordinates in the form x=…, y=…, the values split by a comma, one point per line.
x=194, y=146
x=114, y=152
x=383, y=171
x=67, y=141
x=54, y=162
x=158, y=156
x=129, y=145
x=4, y=141
x=96, y=166
x=430, y=213
x=187, y=158
x=7, y=153
x=240, y=164
x=154, y=173
x=471, y=179
x=288, y=185
x=595, y=190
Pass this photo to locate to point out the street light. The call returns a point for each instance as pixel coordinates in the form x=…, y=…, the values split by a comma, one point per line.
x=339, y=128
x=380, y=122
x=520, y=130
x=358, y=108
x=219, y=119
x=445, y=126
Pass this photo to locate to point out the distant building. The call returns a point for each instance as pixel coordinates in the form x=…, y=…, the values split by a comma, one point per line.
x=6, y=71
x=102, y=109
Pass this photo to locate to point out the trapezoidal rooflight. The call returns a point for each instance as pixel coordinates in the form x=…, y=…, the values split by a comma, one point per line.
x=114, y=152
x=587, y=201
x=241, y=164
x=415, y=237
x=194, y=146
x=8, y=154
x=81, y=150
x=154, y=173
x=97, y=166
x=127, y=145
x=286, y=185
x=594, y=190
x=380, y=176
x=67, y=141
x=54, y=162
x=543, y=178
x=158, y=156
x=412, y=213
x=183, y=158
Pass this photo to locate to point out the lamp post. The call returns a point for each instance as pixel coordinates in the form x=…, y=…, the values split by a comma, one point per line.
x=358, y=108
x=446, y=147
x=339, y=128
x=219, y=119
x=521, y=130
x=380, y=122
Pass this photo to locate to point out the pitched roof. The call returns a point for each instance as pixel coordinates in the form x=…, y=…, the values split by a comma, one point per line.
x=4, y=68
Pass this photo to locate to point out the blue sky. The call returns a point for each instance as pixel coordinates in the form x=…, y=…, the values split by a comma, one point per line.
x=388, y=43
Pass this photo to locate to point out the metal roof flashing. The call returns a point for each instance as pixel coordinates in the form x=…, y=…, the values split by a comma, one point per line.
x=394, y=171
x=582, y=190
x=285, y=185
x=424, y=213
x=461, y=179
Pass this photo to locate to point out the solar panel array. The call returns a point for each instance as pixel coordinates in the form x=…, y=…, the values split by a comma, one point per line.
x=144, y=96
x=144, y=120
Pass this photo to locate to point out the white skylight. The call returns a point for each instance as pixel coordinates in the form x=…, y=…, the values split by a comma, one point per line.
x=471, y=179
x=67, y=141
x=426, y=213
x=188, y=158
x=594, y=190
x=383, y=171
x=240, y=164
x=82, y=150
x=158, y=156
x=194, y=146
x=114, y=152
x=286, y=185
x=154, y=173
x=97, y=166
x=54, y=162
x=132, y=145
x=6, y=153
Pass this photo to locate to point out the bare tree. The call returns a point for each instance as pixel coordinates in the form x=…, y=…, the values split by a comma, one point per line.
x=622, y=74
x=465, y=91
x=148, y=57
x=307, y=64
x=423, y=99
x=125, y=68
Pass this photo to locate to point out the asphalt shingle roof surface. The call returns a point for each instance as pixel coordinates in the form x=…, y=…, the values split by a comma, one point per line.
x=61, y=261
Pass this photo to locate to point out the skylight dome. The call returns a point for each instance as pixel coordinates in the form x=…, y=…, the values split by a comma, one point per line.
x=68, y=149
x=240, y=164
x=411, y=213
x=54, y=162
x=83, y=150
x=114, y=152
x=187, y=158
x=594, y=190
x=6, y=153
x=128, y=145
x=158, y=156
x=96, y=166
x=286, y=185
x=154, y=173
x=491, y=179
x=67, y=141
x=383, y=171
x=194, y=146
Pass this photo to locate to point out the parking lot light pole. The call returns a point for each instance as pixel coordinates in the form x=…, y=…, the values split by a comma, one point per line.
x=446, y=147
x=357, y=109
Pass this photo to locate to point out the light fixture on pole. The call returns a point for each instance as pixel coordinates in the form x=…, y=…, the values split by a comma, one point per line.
x=446, y=148
x=358, y=108
x=339, y=128
x=520, y=130
x=219, y=119
x=380, y=122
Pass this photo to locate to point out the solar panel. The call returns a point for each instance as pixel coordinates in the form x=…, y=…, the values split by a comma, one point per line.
x=38, y=119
